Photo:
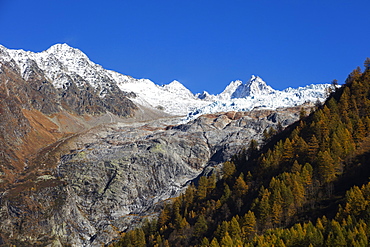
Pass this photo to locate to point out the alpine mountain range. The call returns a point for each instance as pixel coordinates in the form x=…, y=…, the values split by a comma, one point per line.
x=62, y=64
x=87, y=153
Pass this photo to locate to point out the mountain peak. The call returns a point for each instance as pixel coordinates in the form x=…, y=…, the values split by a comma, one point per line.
x=64, y=49
x=256, y=79
x=63, y=64
x=175, y=83
x=257, y=86
x=61, y=47
x=230, y=89
x=179, y=89
x=174, y=86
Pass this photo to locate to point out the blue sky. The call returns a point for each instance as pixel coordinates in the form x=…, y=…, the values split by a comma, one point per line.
x=203, y=44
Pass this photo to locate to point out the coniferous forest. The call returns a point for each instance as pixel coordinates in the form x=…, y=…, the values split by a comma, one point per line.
x=307, y=185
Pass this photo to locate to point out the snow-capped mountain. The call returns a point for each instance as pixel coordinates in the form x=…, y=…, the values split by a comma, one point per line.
x=63, y=65
x=59, y=63
x=269, y=99
x=255, y=86
x=257, y=94
x=173, y=98
x=236, y=89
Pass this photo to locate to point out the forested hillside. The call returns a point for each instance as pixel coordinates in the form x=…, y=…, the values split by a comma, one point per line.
x=307, y=186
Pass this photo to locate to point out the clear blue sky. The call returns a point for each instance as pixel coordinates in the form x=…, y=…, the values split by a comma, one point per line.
x=203, y=44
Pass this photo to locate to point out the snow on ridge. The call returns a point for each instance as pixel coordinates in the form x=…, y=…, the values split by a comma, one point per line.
x=172, y=98
x=58, y=61
x=62, y=63
x=180, y=90
x=269, y=100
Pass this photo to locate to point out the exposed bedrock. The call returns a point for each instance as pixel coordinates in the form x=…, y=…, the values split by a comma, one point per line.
x=90, y=187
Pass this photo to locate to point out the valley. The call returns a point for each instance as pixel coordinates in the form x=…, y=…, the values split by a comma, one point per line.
x=89, y=153
x=97, y=183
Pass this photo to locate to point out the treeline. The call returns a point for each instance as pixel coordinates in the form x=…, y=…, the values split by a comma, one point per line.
x=307, y=186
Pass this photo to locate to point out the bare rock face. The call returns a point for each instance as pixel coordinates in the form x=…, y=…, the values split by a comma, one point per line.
x=91, y=186
x=34, y=113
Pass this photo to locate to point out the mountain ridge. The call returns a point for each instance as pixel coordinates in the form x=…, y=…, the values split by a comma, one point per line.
x=61, y=62
x=307, y=185
x=63, y=81
x=81, y=170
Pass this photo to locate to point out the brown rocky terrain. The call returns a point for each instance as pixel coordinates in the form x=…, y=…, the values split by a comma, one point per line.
x=35, y=114
x=80, y=162
x=86, y=188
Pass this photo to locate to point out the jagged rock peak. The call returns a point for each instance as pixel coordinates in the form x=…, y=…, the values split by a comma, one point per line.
x=230, y=90
x=257, y=86
x=237, y=89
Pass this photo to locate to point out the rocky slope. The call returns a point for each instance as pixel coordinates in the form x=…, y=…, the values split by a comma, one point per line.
x=64, y=78
x=93, y=185
x=80, y=162
x=49, y=95
x=35, y=112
